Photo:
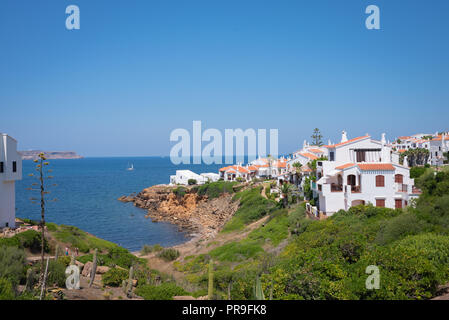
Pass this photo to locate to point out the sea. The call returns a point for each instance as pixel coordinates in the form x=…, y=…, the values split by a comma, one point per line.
x=84, y=192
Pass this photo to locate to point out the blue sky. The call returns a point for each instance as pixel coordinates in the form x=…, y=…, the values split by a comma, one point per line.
x=136, y=70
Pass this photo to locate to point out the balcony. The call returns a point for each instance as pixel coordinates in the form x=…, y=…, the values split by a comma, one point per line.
x=356, y=189
x=400, y=187
x=336, y=187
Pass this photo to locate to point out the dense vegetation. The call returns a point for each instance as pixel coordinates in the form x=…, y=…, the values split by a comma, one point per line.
x=328, y=259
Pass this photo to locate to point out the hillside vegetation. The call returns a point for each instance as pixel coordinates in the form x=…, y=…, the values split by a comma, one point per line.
x=297, y=258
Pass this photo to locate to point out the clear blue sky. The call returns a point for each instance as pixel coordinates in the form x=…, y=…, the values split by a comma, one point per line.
x=136, y=70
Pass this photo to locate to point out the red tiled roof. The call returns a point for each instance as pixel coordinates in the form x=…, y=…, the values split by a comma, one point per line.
x=309, y=155
x=344, y=166
x=401, y=150
x=376, y=166
x=440, y=137
x=346, y=142
x=316, y=150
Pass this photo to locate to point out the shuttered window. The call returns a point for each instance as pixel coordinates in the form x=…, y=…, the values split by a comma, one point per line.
x=399, y=178
x=2, y=169
x=14, y=166
x=398, y=203
x=380, y=203
x=380, y=181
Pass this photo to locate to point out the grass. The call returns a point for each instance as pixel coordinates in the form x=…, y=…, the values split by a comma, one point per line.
x=215, y=189
x=252, y=207
x=275, y=230
x=79, y=239
x=237, y=251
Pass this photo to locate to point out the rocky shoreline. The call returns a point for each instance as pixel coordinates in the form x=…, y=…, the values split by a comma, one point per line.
x=198, y=215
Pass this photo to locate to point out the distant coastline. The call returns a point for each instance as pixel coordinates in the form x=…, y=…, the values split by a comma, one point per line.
x=33, y=154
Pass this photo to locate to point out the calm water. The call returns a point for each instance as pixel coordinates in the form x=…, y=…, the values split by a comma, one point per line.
x=87, y=191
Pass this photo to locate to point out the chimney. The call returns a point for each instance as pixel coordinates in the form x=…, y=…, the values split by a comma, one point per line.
x=344, y=136
x=383, y=140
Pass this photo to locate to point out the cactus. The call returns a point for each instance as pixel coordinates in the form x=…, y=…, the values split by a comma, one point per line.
x=94, y=268
x=258, y=291
x=29, y=280
x=57, y=252
x=210, y=290
x=129, y=288
x=124, y=285
x=271, y=290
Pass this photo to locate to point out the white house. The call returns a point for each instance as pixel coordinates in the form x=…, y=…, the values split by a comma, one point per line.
x=10, y=171
x=362, y=171
x=183, y=177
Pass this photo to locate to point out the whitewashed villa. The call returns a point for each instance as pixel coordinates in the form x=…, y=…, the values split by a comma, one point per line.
x=10, y=171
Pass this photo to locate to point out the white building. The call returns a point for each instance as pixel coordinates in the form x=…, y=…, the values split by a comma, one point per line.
x=362, y=171
x=10, y=171
x=183, y=177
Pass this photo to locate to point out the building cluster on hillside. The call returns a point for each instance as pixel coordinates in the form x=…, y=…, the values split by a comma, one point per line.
x=354, y=171
x=337, y=176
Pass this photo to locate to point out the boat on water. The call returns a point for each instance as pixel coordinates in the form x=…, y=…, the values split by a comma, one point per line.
x=130, y=168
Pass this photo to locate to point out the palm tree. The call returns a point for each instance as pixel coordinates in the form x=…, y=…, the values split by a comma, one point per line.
x=285, y=190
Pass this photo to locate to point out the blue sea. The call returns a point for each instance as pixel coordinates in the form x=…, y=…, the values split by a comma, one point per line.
x=87, y=191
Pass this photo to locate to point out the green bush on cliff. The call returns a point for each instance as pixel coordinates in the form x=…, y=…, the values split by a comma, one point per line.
x=6, y=290
x=215, y=189
x=114, y=277
x=165, y=291
x=252, y=207
x=80, y=239
x=236, y=251
x=168, y=254
x=30, y=239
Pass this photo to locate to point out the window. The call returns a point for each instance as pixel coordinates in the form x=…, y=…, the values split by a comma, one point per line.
x=398, y=203
x=351, y=180
x=320, y=187
x=1, y=167
x=331, y=156
x=14, y=166
x=380, y=203
x=380, y=181
x=360, y=155
x=399, y=178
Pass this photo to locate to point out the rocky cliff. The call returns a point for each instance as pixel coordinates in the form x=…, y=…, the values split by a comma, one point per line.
x=197, y=214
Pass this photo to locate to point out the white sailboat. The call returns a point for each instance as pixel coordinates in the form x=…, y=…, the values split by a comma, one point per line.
x=130, y=168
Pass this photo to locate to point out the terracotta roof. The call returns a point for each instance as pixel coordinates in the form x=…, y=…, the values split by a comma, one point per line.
x=401, y=150
x=225, y=168
x=404, y=138
x=344, y=166
x=305, y=169
x=376, y=166
x=439, y=138
x=309, y=155
x=346, y=142
x=281, y=164
x=252, y=168
x=234, y=169
x=316, y=150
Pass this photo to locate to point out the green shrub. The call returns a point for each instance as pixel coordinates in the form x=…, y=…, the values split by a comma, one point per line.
x=215, y=189
x=237, y=251
x=191, y=182
x=56, y=273
x=169, y=254
x=6, y=290
x=165, y=291
x=399, y=227
x=114, y=277
x=149, y=249
x=179, y=191
x=12, y=264
x=252, y=207
x=416, y=172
